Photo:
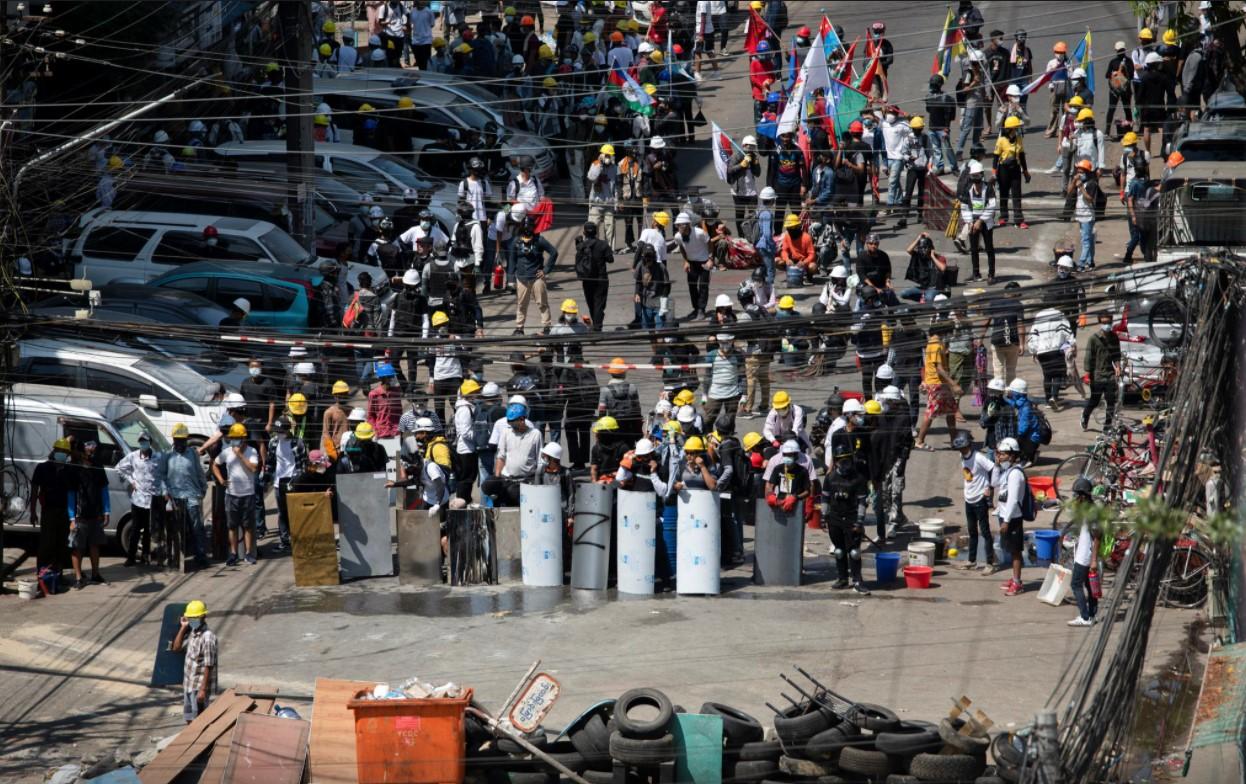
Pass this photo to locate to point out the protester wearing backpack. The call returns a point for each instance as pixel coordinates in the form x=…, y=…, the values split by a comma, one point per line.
x=620, y=399
x=592, y=255
x=1030, y=420
x=1014, y=506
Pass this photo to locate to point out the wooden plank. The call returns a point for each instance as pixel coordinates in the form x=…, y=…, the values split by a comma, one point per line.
x=215, y=769
x=332, y=755
x=267, y=750
x=313, y=548
x=215, y=721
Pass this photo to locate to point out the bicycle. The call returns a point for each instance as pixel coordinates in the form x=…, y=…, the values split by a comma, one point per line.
x=1115, y=460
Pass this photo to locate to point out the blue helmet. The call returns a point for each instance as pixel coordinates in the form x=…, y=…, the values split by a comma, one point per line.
x=384, y=370
x=762, y=46
x=516, y=411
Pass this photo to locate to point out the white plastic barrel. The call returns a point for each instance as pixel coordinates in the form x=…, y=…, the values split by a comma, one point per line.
x=540, y=535
x=699, y=543
x=637, y=542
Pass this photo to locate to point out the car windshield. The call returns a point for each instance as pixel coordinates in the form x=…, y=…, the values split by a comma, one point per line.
x=283, y=247
x=400, y=172
x=184, y=381
x=135, y=424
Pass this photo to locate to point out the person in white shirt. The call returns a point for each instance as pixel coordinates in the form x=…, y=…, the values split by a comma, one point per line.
x=347, y=54
x=1085, y=558
x=475, y=188
x=519, y=449
x=619, y=57
x=464, y=454
x=784, y=417
x=894, y=135
x=425, y=227
x=694, y=244
x=240, y=463
x=703, y=36
x=655, y=234
x=525, y=188
x=141, y=469
x=976, y=469
x=1047, y=340
x=1010, y=489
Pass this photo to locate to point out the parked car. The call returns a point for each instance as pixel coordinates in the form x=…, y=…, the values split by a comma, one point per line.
x=143, y=301
x=36, y=415
x=1213, y=142
x=282, y=297
x=169, y=392
x=1201, y=209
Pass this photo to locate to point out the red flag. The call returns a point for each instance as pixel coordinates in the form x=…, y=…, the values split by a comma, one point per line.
x=657, y=26
x=755, y=31
x=802, y=141
x=871, y=71
x=849, y=58
x=824, y=28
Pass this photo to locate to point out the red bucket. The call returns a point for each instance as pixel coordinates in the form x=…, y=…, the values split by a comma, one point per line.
x=917, y=576
x=848, y=394
x=1043, y=488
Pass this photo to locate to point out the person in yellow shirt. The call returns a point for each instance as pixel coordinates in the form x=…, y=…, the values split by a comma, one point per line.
x=942, y=391
x=1010, y=167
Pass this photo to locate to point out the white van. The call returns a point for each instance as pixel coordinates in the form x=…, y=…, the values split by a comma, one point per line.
x=37, y=415
x=168, y=392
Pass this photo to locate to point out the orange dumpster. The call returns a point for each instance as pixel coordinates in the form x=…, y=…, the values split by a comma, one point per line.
x=419, y=741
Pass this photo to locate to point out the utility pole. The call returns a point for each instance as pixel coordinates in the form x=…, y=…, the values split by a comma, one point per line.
x=296, y=21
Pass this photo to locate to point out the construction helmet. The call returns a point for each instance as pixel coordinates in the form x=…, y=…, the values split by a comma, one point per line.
x=367, y=107
x=237, y=430
x=791, y=221
x=325, y=50
x=618, y=366
x=569, y=306
x=1175, y=159
x=341, y=388
x=781, y=400
x=439, y=318
x=694, y=444
x=195, y=609
x=328, y=27
x=297, y=404
x=469, y=387
x=545, y=52
x=1018, y=386
x=1009, y=445
x=1060, y=48
x=662, y=218
x=589, y=37
x=181, y=431
x=1129, y=139
x=321, y=119
x=684, y=398
x=873, y=407
x=1085, y=114
x=917, y=123
x=1145, y=34
x=786, y=302
x=606, y=423
x=364, y=431
x=1077, y=101
x=1170, y=37
x=1012, y=122
x=607, y=149
x=1085, y=165
x=549, y=83
x=405, y=102
x=751, y=440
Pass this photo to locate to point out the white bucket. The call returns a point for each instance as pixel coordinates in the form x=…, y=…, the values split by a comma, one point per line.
x=1056, y=585
x=27, y=589
x=931, y=527
x=922, y=554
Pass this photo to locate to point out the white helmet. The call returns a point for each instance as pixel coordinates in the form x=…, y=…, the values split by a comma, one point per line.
x=853, y=406
x=304, y=369
x=1008, y=445
x=885, y=372
x=160, y=138
x=1018, y=386
x=243, y=304
x=657, y=143
x=357, y=415
x=424, y=425
x=552, y=450
x=410, y=194
x=411, y=278
x=1065, y=262
x=235, y=400
x=197, y=126
x=1153, y=58
x=839, y=272
x=790, y=447
x=722, y=301
x=365, y=198
x=519, y=211
x=645, y=47
x=749, y=140
x=517, y=60
x=297, y=351
x=975, y=167
x=997, y=384
x=682, y=219
x=644, y=447
x=768, y=194
x=1079, y=73
x=940, y=298
x=890, y=392
x=520, y=399
x=1014, y=91
x=686, y=415
x=324, y=108
x=491, y=390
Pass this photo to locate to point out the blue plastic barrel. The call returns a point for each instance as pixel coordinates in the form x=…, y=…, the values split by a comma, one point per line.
x=669, y=538
x=886, y=566
x=1047, y=545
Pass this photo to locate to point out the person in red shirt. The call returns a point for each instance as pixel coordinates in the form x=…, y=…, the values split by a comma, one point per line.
x=796, y=250
x=761, y=73
x=385, y=402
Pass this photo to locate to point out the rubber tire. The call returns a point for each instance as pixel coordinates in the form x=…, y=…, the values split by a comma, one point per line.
x=642, y=751
x=643, y=730
x=949, y=731
x=989, y=780
x=902, y=778
x=507, y=745
x=739, y=728
x=750, y=770
x=868, y=762
x=527, y=777
x=592, y=739
x=874, y=718
x=796, y=731
x=570, y=759
x=598, y=776
x=827, y=745
x=909, y=740
x=759, y=751
x=947, y=767
x=1004, y=753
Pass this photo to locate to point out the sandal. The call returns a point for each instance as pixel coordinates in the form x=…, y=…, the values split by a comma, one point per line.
x=924, y=447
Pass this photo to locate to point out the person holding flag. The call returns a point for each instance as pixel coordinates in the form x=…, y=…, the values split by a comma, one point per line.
x=1057, y=74
x=761, y=75
x=879, y=52
x=742, y=172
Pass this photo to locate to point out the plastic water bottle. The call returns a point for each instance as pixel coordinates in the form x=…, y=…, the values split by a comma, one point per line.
x=1096, y=586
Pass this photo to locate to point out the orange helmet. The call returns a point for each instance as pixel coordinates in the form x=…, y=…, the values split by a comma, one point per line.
x=1060, y=48
x=1175, y=160
x=1085, y=165
x=618, y=366
x=527, y=21
x=616, y=37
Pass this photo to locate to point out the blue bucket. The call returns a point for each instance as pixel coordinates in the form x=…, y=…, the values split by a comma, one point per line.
x=1047, y=545
x=886, y=566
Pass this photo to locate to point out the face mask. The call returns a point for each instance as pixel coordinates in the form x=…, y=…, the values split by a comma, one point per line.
x=858, y=420
x=789, y=461
x=60, y=457
x=426, y=225
x=144, y=445
x=196, y=623
x=235, y=442
x=255, y=372
x=1105, y=327
x=607, y=160
x=179, y=446
x=1062, y=273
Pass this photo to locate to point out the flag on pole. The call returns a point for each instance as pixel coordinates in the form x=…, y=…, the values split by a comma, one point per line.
x=845, y=70
x=723, y=147
x=754, y=31
x=942, y=64
x=830, y=41
x=633, y=94
x=871, y=71
x=813, y=75
x=1082, y=56
x=845, y=104
x=1042, y=79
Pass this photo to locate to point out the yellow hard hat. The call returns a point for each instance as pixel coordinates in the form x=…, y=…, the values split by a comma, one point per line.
x=439, y=42
x=1146, y=35
x=1170, y=37
x=672, y=427
x=1085, y=114
x=297, y=403
x=463, y=49
x=328, y=27
x=684, y=398
x=662, y=218
x=781, y=400
x=549, y=82
x=751, y=440
x=341, y=388
x=569, y=306
x=237, y=430
x=405, y=102
x=61, y=444
x=326, y=50
x=605, y=423
x=787, y=303
x=469, y=387
x=364, y=431
x=651, y=89
x=321, y=119
x=873, y=407
x=115, y=162
x=618, y=366
x=589, y=37
x=545, y=52
x=195, y=609
x=181, y=431
x=757, y=5
x=656, y=56
x=1012, y=122
x=917, y=123
x=440, y=318
x=694, y=444
x=367, y=107
x=1076, y=101
x=1129, y=139
x=791, y=222
x=509, y=10
x=188, y=152
x=271, y=67
x=607, y=149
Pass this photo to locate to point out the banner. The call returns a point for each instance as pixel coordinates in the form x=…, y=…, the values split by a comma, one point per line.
x=754, y=31
x=950, y=46
x=814, y=75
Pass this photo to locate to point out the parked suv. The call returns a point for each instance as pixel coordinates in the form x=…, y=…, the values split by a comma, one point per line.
x=36, y=415
x=282, y=297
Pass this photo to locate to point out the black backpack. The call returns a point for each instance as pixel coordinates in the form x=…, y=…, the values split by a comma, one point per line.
x=623, y=402
x=733, y=450
x=1043, y=427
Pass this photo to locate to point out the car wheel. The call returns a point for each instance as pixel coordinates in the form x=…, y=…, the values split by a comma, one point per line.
x=642, y=751
x=947, y=767
x=738, y=727
x=643, y=728
x=125, y=533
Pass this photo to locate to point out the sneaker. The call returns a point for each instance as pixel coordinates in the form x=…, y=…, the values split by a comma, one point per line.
x=989, y=569
x=251, y=560
x=79, y=584
x=1080, y=621
x=839, y=584
x=98, y=579
x=1023, y=225
x=1015, y=589
x=1001, y=222
x=232, y=560
x=724, y=52
x=261, y=532
x=967, y=566
x=1007, y=584
x=861, y=589
x=518, y=331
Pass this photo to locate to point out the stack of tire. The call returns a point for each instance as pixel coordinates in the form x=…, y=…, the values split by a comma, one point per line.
x=747, y=755
x=640, y=733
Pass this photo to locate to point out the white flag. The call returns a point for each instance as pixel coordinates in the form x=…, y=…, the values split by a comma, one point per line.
x=722, y=150
x=813, y=75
